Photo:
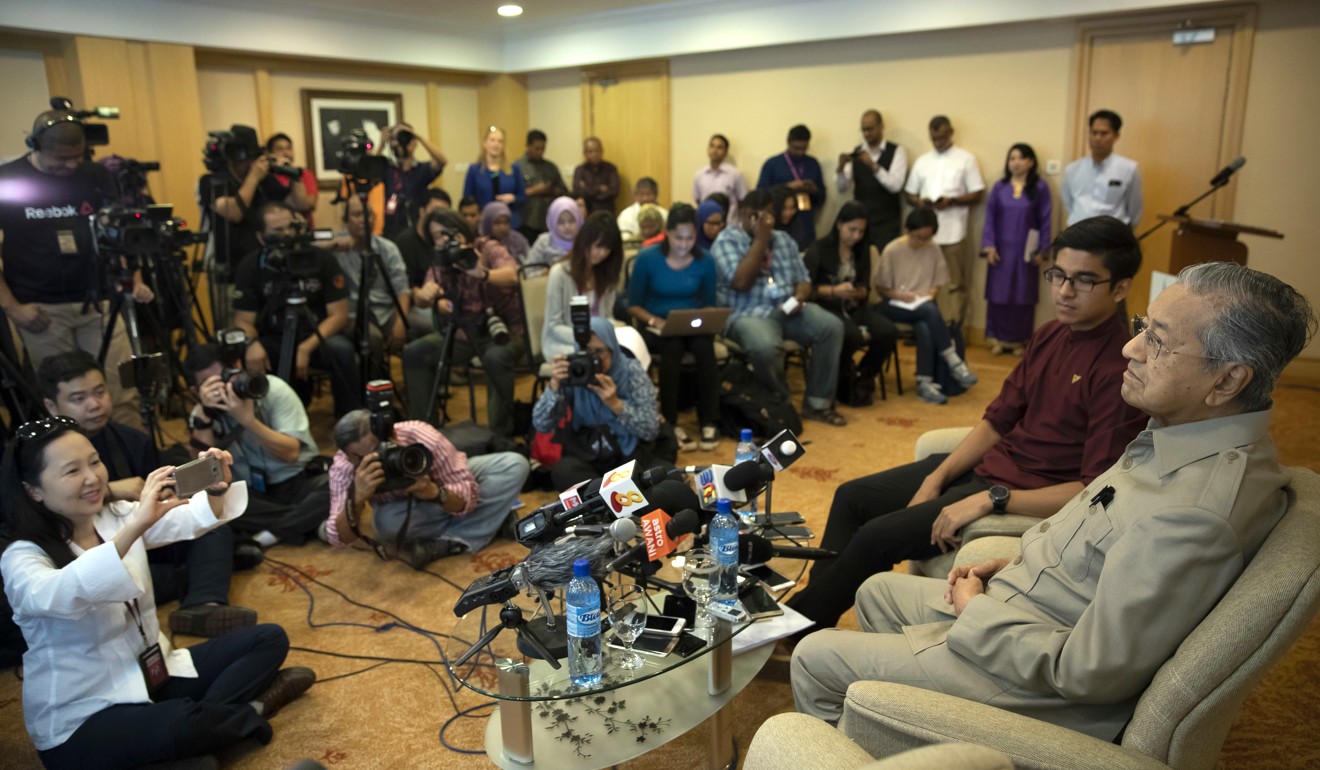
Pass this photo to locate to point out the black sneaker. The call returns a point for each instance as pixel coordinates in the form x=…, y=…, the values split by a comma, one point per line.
x=423, y=551
x=211, y=620
x=247, y=555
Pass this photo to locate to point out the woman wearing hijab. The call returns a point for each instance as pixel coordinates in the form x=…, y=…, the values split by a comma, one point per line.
x=562, y=223
x=710, y=222
x=497, y=224
x=613, y=417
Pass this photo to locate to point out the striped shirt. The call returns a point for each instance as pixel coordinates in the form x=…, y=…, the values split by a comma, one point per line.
x=448, y=469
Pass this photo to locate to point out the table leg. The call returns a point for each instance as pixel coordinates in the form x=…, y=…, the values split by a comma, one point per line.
x=515, y=715
x=720, y=753
x=720, y=660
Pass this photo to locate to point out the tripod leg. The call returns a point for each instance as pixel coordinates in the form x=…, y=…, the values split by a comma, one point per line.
x=288, y=340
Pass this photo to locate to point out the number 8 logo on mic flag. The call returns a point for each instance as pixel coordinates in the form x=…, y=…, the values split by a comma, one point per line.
x=621, y=500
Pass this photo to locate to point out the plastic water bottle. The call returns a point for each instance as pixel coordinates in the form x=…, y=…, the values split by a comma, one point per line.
x=582, y=605
x=747, y=450
x=724, y=546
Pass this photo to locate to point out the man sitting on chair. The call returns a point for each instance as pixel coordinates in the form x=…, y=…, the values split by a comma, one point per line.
x=1102, y=593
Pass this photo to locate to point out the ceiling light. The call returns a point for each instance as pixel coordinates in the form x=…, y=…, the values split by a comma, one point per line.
x=509, y=10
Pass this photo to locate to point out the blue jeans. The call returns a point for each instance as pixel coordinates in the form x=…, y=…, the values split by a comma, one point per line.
x=929, y=327
x=811, y=327
x=499, y=477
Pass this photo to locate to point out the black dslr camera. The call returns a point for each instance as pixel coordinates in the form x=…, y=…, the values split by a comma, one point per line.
x=454, y=256
x=402, y=464
x=236, y=145
x=231, y=344
x=582, y=365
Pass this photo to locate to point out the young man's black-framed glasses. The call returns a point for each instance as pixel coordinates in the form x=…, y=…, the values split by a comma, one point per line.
x=1082, y=284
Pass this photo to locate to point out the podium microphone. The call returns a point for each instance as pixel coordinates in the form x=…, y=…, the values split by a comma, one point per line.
x=1226, y=172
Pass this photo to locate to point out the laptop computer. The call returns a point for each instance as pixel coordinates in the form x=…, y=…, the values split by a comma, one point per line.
x=695, y=321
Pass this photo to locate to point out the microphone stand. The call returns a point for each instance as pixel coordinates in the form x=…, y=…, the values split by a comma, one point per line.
x=511, y=616
x=1182, y=210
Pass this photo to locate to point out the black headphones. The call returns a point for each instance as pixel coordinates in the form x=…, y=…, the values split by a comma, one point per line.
x=45, y=121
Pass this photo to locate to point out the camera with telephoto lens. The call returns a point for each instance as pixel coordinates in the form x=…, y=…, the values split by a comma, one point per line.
x=454, y=256
x=582, y=365
x=402, y=465
x=231, y=343
x=496, y=328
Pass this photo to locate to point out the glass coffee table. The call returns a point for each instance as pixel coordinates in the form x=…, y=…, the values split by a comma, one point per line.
x=542, y=721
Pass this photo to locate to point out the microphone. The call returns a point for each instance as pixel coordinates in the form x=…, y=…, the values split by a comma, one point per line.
x=783, y=450
x=754, y=549
x=712, y=484
x=1222, y=177
x=620, y=530
x=684, y=522
x=749, y=475
x=544, y=569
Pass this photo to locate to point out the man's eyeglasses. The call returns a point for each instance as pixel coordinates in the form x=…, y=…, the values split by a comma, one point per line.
x=1155, y=345
x=36, y=429
x=1082, y=284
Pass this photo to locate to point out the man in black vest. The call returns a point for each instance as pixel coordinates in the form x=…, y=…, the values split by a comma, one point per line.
x=196, y=572
x=877, y=169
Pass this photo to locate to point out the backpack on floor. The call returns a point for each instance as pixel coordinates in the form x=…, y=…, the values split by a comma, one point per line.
x=746, y=403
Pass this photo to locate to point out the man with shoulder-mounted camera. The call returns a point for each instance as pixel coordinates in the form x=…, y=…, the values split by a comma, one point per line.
x=381, y=492
x=262, y=423
x=240, y=178
x=288, y=268
x=473, y=285
x=51, y=285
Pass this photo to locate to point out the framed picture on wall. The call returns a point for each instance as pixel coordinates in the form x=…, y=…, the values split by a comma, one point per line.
x=329, y=116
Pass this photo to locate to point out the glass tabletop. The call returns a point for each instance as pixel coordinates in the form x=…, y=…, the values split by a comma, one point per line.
x=480, y=672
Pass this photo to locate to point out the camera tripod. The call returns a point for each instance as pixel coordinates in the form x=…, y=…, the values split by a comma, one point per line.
x=17, y=392
x=511, y=616
x=371, y=263
x=295, y=311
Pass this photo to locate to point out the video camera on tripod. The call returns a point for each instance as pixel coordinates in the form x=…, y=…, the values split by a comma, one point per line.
x=402, y=464
x=293, y=255
x=582, y=365
x=354, y=160
x=141, y=232
x=236, y=145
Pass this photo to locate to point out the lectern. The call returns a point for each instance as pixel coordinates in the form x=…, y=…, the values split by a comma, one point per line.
x=1209, y=240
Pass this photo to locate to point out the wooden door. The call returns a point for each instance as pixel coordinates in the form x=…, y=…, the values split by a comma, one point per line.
x=1182, y=108
x=627, y=108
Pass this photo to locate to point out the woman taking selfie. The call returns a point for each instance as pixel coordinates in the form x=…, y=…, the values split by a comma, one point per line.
x=102, y=687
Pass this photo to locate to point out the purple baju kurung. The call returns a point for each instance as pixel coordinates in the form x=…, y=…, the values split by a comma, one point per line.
x=1012, y=286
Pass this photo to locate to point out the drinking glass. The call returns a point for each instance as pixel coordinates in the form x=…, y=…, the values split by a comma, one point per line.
x=627, y=611
x=700, y=571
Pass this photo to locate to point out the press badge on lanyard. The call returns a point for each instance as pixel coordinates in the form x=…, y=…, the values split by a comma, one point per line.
x=392, y=205
x=151, y=660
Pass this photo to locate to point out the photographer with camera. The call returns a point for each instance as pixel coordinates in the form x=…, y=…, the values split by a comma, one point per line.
x=241, y=177
x=407, y=179
x=51, y=286
x=288, y=267
x=610, y=405
x=280, y=147
x=196, y=572
x=480, y=287
x=262, y=422
x=402, y=487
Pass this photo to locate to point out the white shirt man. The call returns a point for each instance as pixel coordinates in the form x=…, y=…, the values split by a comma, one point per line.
x=1106, y=183
x=719, y=176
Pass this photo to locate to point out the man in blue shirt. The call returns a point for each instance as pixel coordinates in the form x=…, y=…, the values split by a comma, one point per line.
x=802, y=174
x=762, y=277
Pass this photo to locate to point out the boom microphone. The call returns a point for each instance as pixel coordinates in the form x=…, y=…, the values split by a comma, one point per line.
x=545, y=569
x=1227, y=171
x=754, y=549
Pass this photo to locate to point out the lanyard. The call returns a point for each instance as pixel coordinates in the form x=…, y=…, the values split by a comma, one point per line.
x=789, y=160
x=135, y=613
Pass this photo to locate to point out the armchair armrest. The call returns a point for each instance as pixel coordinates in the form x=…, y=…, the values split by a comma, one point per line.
x=885, y=718
x=799, y=742
x=939, y=441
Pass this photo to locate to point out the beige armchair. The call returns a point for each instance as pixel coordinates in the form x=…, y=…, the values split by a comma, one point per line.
x=1008, y=525
x=799, y=742
x=1182, y=718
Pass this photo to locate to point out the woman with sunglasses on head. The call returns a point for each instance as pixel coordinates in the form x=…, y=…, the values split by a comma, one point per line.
x=102, y=686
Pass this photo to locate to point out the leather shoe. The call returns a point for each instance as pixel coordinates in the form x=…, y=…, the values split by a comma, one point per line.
x=425, y=550
x=288, y=685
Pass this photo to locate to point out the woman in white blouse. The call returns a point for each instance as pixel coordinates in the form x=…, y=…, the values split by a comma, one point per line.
x=102, y=687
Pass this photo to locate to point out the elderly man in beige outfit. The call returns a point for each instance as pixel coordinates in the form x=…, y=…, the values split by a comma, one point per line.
x=1073, y=629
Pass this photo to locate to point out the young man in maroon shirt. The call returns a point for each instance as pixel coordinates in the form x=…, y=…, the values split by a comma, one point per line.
x=1058, y=422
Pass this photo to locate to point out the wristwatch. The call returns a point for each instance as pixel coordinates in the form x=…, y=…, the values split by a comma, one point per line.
x=999, y=498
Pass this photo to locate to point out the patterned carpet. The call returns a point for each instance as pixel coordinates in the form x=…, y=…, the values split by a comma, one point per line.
x=389, y=715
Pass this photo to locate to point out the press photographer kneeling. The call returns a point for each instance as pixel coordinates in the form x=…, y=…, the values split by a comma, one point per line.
x=600, y=406
x=263, y=423
x=405, y=490
x=474, y=287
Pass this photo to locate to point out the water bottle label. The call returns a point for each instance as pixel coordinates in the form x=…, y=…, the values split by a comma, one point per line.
x=584, y=622
x=728, y=549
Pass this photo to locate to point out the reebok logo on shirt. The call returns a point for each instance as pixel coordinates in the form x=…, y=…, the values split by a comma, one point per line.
x=50, y=212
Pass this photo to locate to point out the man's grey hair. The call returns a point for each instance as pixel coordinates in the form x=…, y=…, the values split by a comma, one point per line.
x=352, y=427
x=1259, y=321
